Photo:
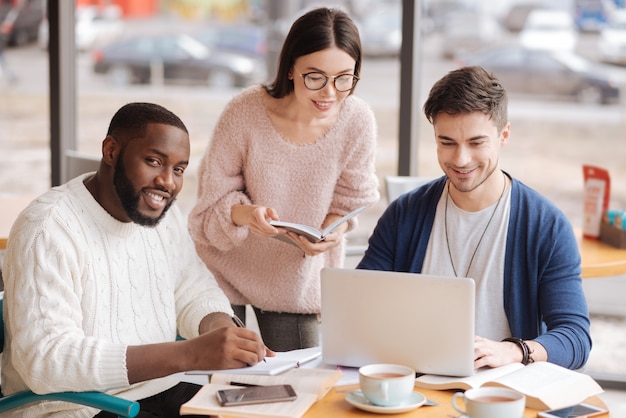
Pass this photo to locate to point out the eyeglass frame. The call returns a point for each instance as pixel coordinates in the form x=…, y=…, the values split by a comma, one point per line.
x=334, y=78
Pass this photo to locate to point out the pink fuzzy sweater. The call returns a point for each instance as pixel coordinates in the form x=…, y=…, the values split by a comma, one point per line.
x=249, y=162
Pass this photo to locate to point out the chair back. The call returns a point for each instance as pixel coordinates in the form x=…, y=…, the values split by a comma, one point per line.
x=78, y=164
x=397, y=185
x=99, y=400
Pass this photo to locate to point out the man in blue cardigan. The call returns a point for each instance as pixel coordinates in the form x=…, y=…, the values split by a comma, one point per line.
x=477, y=221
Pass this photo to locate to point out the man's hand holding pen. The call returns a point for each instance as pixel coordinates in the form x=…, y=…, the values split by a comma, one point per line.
x=239, y=323
x=224, y=343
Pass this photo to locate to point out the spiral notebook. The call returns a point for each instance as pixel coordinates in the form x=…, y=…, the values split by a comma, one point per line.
x=422, y=321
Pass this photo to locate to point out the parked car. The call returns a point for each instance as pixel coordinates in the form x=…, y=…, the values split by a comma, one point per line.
x=612, y=39
x=175, y=58
x=515, y=18
x=20, y=20
x=544, y=73
x=381, y=31
x=549, y=29
x=469, y=31
x=592, y=15
x=436, y=13
x=241, y=38
x=95, y=26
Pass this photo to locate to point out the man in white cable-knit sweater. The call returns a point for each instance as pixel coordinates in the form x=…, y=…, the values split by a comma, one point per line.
x=100, y=277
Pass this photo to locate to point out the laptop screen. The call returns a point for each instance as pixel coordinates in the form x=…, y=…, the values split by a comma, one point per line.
x=422, y=321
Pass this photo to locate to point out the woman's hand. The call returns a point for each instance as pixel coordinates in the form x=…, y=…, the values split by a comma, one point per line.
x=330, y=241
x=314, y=248
x=256, y=218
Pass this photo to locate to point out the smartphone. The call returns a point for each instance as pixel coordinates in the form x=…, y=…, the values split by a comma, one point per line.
x=582, y=410
x=256, y=394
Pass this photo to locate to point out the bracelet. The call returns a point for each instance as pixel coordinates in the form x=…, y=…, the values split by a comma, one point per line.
x=527, y=353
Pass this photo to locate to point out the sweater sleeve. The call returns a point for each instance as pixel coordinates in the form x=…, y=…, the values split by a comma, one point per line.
x=221, y=183
x=358, y=184
x=41, y=264
x=401, y=236
x=197, y=292
x=544, y=299
x=562, y=302
x=381, y=244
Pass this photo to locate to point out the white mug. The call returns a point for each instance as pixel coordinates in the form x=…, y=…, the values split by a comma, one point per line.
x=491, y=402
x=386, y=384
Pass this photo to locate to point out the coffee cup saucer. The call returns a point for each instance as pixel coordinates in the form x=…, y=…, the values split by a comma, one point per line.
x=357, y=399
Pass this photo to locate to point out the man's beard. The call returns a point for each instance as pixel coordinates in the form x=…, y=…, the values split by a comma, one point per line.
x=130, y=198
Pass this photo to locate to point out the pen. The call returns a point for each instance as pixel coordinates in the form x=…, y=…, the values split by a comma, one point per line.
x=238, y=321
x=245, y=385
x=240, y=324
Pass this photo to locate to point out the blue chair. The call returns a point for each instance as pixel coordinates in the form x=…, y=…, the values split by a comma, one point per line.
x=99, y=400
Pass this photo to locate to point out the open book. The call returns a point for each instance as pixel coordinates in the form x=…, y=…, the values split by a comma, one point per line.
x=282, y=362
x=546, y=385
x=311, y=385
x=313, y=234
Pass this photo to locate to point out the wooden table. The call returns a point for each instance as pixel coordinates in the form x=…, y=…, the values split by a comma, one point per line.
x=334, y=405
x=10, y=207
x=600, y=259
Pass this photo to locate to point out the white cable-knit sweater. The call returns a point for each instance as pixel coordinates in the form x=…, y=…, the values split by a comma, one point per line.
x=249, y=162
x=81, y=286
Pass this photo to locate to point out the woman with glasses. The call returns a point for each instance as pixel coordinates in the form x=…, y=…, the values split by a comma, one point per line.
x=299, y=149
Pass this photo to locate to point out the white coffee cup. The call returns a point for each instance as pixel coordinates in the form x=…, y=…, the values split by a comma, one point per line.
x=491, y=402
x=386, y=384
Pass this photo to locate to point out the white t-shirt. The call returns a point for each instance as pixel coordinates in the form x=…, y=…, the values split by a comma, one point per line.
x=487, y=267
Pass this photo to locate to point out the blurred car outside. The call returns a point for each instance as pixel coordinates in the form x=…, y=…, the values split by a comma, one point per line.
x=549, y=29
x=95, y=26
x=381, y=31
x=469, y=31
x=380, y=26
x=550, y=74
x=282, y=25
x=19, y=20
x=175, y=58
x=245, y=38
x=612, y=39
x=515, y=18
x=436, y=13
x=591, y=15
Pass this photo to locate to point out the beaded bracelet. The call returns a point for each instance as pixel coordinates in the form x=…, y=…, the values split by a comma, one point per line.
x=527, y=353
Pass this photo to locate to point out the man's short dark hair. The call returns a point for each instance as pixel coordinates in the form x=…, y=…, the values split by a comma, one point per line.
x=130, y=120
x=466, y=90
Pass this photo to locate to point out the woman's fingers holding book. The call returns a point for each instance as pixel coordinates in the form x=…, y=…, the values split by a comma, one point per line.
x=258, y=221
x=313, y=248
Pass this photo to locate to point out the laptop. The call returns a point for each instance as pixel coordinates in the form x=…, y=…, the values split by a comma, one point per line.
x=422, y=321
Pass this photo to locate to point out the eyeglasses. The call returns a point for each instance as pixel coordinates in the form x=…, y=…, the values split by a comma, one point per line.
x=317, y=81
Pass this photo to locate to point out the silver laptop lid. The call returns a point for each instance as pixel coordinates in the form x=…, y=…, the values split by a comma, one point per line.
x=422, y=321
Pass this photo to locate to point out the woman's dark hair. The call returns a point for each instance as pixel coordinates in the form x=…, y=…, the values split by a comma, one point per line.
x=467, y=90
x=314, y=31
x=130, y=120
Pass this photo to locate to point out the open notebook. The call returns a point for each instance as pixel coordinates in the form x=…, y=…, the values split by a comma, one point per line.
x=422, y=321
x=283, y=361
